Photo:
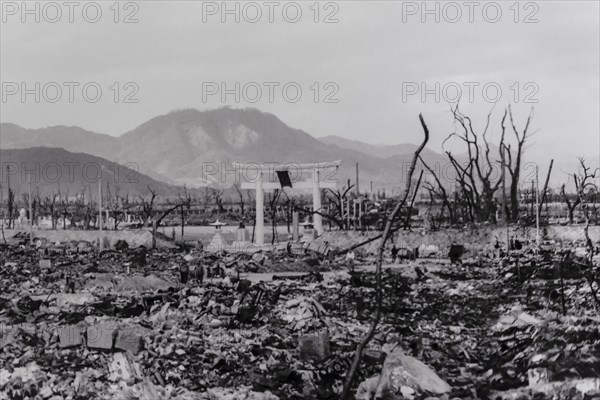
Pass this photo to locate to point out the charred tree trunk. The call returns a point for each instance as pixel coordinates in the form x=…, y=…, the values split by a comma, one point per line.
x=351, y=375
x=545, y=189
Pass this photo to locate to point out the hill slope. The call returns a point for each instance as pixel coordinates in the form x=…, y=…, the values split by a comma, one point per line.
x=382, y=151
x=54, y=169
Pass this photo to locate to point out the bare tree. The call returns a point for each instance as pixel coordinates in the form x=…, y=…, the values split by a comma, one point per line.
x=412, y=202
x=351, y=375
x=241, y=202
x=440, y=191
x=63, y=206
x=86, y=209
x=217, y=194
x=514, y=169
x=440, y=217
x=147, y=206
x=545, y=188
x=116, y=206
x=337, y=213
x=475, y=178
x=10, y=207
x=184, y=202
x=50, y=207
x=584, y=185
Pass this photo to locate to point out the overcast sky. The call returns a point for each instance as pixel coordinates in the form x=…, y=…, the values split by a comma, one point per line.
x=374, y=61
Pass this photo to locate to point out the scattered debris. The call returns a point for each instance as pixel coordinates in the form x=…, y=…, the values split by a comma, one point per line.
x=488, y=327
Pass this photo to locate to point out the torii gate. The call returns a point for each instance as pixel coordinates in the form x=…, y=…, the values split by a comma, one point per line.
x=260, y=185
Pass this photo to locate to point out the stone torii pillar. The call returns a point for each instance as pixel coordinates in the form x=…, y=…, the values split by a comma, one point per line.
x=259, y=184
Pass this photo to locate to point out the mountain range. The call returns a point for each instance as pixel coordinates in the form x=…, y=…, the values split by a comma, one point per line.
x=177, y=148
x=184, y=147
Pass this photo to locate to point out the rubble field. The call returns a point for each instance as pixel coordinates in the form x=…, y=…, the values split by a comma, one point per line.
x=78, y=323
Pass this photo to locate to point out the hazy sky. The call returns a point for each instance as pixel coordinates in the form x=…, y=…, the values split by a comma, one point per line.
x=375, y=61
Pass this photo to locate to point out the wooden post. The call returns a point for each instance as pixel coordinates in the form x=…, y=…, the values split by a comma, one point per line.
x=537, y=208
x=154, y=234
x=357, y=189
x=342, y=211
x=545, y=187
x=260, y=211
x=317, y=218
x=354, y=213
x=100, y=204
x=30, y=213
x=101, y=242
x=348, y=218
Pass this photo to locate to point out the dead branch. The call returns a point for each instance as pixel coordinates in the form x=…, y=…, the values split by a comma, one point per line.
x=545, y=189
x=412, y=202
x=350, y=376
x=442, y=191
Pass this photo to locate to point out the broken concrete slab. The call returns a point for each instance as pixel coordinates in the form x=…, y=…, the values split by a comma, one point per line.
x=128, y=340
x=70, y=336
x=101, y=337
x=45, y=264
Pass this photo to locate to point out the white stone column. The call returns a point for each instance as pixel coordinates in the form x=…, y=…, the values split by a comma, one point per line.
x=317, y=219
x=260, y=211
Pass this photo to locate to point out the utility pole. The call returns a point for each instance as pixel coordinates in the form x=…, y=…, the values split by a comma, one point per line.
x=100, y=203
x=30, y=213
x=348, y=208
x=357, y=189
x=532, y=200
x=537, y=208
x=8, y=199
x=545, y=188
